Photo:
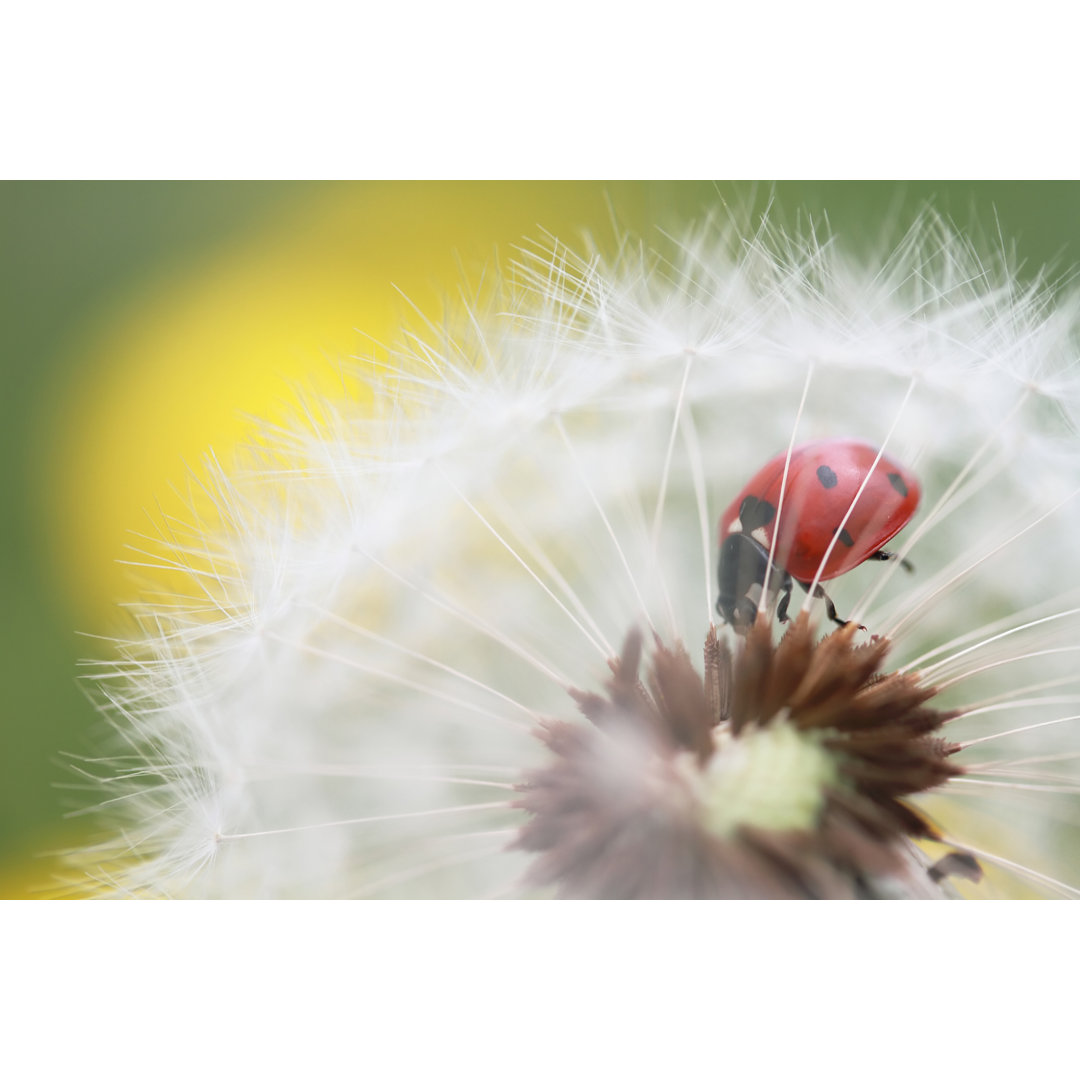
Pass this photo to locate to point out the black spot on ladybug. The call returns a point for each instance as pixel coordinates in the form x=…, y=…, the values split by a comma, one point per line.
x=846, y=538
x=755, y=513
x=897, y=482
x=826, y=476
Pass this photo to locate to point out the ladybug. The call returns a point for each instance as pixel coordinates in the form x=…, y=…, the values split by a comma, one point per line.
x=822, y=481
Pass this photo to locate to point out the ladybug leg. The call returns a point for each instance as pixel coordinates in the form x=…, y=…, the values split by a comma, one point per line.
x=830, y=607
x=888, y=556
x=785, y=599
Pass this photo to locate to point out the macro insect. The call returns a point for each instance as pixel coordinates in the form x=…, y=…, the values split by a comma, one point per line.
x=822, y=485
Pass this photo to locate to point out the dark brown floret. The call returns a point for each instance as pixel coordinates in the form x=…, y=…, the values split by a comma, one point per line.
x=956, y=864
x=618, y=812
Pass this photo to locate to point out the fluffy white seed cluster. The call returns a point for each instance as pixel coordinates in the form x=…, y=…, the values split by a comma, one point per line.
x=398, y=586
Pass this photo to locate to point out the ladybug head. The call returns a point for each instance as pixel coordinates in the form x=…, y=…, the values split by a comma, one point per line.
x=744, y=563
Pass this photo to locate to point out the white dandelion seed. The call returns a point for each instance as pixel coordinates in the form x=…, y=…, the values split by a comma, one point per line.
x=344, y=702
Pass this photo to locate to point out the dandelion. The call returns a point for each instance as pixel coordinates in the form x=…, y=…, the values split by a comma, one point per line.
x=456, y=633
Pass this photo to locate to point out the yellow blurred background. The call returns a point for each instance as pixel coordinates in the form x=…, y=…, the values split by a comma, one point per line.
x=142, y=322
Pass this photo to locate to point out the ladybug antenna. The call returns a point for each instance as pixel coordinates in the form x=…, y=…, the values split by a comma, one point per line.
x=763, y=599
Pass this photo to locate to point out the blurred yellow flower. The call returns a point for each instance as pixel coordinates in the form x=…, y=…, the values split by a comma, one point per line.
x=175, y=370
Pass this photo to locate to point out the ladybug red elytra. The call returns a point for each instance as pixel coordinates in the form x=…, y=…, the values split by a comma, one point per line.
x=822, y=482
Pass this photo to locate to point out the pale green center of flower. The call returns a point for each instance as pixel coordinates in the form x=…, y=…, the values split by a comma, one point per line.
x=772, y=777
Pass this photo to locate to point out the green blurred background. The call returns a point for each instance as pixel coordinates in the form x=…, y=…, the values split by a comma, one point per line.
x=140, y=321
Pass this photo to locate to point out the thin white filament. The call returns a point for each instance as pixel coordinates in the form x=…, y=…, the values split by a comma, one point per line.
x=1019, y=730
x=918, y=608
x=477, y=624
x=524, y=565
x=858, y=494
x=353, y=628
x=583, y=477
x=763, y=599
x=937, y=512
x=1018, y=868
x=400, y=680
x=697, y=472
x=376, y=819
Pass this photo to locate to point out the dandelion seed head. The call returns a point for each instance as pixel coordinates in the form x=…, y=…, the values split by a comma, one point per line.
x=392, y=593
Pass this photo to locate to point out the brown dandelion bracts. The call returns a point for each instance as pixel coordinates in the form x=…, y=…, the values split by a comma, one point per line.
x=780, y=774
